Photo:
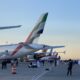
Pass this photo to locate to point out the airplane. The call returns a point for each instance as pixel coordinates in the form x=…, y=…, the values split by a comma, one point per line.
x=51, y=55
x=9, y=27
x=43, y=55
x=13, y=51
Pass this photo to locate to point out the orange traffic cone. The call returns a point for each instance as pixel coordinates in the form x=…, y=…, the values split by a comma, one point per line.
x=14, y=69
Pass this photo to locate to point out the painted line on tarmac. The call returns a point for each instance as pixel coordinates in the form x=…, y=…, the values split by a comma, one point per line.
x=36, y=77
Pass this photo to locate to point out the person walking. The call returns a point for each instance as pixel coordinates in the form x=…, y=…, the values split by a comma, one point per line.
x=70, y=66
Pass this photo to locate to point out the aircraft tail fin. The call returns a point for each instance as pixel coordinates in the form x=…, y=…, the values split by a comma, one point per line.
x=37, y=30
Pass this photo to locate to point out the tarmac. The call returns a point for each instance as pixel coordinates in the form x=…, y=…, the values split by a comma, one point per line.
x=47, y=72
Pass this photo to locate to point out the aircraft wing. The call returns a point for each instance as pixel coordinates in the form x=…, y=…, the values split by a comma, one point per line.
x=56, y=46
x=7, y=45
x=41, y=46
x=9, y=27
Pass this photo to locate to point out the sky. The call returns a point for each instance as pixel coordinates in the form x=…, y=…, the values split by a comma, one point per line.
x=62, y=26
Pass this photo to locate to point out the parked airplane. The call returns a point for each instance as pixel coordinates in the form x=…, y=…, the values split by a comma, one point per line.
x=10, y=27
x=51, y=56
x=28, y=46
x=44, y=55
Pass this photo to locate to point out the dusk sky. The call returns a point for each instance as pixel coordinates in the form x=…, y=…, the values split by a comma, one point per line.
x=62, y=26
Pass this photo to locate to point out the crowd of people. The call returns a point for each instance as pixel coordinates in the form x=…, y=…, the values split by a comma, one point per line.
x=56, y=61
x=12, y=62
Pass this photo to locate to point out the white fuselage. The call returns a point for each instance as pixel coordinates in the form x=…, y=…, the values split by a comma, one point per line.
x=7, y=50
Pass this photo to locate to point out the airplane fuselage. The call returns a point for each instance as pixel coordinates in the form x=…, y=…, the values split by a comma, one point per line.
x=10, y=51
x=7, y=51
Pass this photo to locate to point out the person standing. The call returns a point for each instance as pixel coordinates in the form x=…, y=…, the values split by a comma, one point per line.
x=4, y=64
x=70, y=66
x=38, y=63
